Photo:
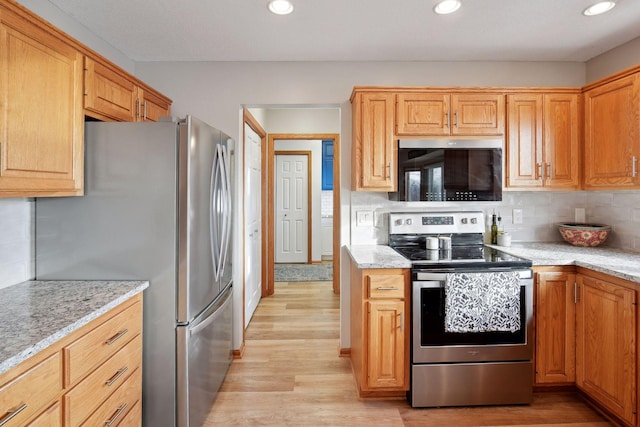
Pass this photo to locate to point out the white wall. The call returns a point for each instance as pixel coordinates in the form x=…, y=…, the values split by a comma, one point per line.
x=56, y=17
x=623, y=57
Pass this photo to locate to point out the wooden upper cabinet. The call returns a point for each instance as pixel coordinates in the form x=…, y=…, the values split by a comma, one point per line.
x=111, y=94
x=543, y=140
x=423, y=114
x=107, y=93
x=152, y=106
x=443, y=114
x=612, y=134
x=374, y=149
x=41, y=125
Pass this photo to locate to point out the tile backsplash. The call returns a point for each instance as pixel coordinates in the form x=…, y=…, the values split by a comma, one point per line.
x=541, y=212
x=17, y=241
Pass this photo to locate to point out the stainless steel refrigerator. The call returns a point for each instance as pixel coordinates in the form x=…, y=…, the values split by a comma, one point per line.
x=157, y=206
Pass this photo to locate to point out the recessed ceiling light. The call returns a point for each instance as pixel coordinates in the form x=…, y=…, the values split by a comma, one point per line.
x=598, y=8
x=280, y=7
x=447, y=6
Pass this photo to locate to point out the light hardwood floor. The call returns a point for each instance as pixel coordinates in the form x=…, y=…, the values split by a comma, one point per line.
x=291, y=375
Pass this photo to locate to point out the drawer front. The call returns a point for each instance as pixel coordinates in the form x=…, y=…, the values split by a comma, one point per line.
x=386, y=286
x=120, y=403
x=102, y=342
x=133, y=417
x=52, y=417
x=30, y=392
x=84, y=398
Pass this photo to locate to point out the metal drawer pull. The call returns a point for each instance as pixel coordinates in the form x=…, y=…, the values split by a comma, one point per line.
x=12, y=413
x=390, y=288
x=634, y=166
x=116, y=337
x=117, y=414
x=114, y=378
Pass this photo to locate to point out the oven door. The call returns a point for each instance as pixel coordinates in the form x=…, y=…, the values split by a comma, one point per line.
x=432, y=344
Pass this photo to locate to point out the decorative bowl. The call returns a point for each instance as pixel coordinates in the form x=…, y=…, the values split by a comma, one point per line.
x=584, y=234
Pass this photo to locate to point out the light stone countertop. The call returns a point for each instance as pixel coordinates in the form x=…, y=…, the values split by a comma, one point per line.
x=36, y=314
x=611, y=261
x=377, y=256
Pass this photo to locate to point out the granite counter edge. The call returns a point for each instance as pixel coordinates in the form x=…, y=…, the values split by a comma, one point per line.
x=15, y=360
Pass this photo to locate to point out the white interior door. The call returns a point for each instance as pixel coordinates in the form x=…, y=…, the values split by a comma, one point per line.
x=292, y=212
x=253, y=222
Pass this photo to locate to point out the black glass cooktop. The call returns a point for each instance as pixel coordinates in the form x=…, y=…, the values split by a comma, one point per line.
x=463, y=256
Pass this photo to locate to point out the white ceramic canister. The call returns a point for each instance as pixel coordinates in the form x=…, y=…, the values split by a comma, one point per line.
x=432, y=243
x=504, y=239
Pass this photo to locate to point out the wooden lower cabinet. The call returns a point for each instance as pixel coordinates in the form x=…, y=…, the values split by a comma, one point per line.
x=45, y=390
x=380, y=331
x=606, y=338
x=554, y=308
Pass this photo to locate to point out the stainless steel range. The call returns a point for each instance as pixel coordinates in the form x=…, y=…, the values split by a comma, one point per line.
x=472, y=309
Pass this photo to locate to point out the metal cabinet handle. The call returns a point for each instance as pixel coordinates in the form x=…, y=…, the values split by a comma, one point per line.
x=634, y=166
x=116, y=415
x=116, y=376
x=402, y=321
x=576, y=293
x=388, y=170
x=456, y=118
x=116, y=337
x=388, y=288
x=8, y=416
x=539, y=171
x=548, y=174
x=137, y=108
x=145, y=110
x=447, y=114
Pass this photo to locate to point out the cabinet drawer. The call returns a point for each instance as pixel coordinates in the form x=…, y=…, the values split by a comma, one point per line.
x=386, y=286
x=86, y=353
x=52, y=417
x=133, y=417
x=120, y=403
x=93, y=390
x=30, y=392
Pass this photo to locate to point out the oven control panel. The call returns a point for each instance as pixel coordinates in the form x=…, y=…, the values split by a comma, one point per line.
x=436, y=222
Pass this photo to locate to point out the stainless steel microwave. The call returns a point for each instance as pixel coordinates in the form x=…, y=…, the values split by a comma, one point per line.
x=442, y=170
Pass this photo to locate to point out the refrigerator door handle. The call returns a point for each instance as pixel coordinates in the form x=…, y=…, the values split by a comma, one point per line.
x=226, y=208
x=213, y=217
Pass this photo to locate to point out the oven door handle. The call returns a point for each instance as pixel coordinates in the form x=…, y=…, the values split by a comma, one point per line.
x=422, y=284
x=430, y=277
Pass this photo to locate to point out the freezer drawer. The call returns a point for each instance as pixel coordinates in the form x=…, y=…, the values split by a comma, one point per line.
x=204, y=355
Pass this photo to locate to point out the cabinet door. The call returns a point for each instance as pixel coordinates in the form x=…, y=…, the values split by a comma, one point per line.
x=422, y=114
x=606, y=345
x=524, y=140
x=555, y=328
x=611, y=134
x=108, y=94
x=151, y=107
x=41, y=124
x=374, y=148
x=386, y=361
x=561, y=141
x=477, y=114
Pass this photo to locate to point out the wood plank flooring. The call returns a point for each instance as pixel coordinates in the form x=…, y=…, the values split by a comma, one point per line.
x=291, y=375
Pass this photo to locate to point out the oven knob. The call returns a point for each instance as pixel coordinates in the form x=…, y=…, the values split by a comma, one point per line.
x=399, y=222
x=463, y=220
x=409, y=221
x=474, y=220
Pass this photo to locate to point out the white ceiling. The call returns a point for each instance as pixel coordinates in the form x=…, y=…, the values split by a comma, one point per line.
x=356, y=30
